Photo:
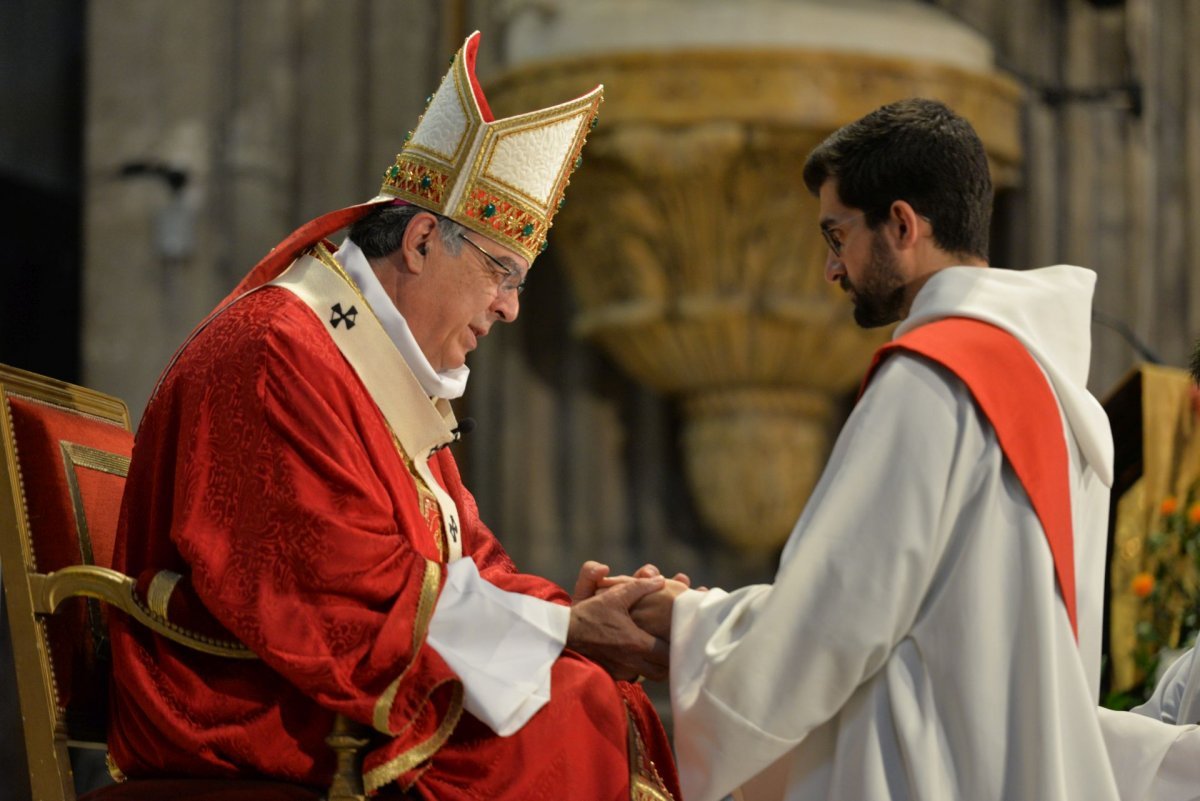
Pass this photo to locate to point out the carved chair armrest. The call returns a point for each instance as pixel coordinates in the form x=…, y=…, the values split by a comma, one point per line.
x=118, y=590
x=347, y=738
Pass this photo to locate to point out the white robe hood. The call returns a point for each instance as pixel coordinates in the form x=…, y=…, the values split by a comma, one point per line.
x=1049, y=311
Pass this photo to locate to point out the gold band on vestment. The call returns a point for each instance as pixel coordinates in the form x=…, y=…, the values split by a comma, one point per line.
x=158, y=594
x=644, y=782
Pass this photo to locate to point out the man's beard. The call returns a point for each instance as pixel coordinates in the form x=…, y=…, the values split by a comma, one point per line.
x=879, y=295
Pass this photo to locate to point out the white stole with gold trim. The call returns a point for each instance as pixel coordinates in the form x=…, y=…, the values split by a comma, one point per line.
x=421, y=425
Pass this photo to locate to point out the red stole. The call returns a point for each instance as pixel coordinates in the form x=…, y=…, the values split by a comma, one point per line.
x=1014, y=395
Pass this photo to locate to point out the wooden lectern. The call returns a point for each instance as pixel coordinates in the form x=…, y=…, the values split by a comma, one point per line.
x=1155, y=422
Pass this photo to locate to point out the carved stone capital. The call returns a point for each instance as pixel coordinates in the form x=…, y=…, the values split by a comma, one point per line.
x=694, y=251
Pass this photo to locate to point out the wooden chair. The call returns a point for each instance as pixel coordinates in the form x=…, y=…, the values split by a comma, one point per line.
x=64, y=455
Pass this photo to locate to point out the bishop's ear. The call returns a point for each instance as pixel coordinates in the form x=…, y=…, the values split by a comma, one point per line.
x=415, y=243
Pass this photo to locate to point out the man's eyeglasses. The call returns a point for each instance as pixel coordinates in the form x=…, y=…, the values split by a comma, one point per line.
x=512, y=281
x=833, y=236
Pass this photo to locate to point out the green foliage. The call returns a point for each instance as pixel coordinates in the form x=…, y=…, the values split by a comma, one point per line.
x=1169, y=588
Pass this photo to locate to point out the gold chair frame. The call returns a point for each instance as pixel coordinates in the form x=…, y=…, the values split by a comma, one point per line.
x=32, y=596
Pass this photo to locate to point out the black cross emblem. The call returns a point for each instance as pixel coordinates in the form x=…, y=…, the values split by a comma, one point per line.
x=340, y=316
x=454, y=529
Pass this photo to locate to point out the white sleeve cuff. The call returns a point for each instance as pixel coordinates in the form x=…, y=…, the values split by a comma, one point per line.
x=501, y=644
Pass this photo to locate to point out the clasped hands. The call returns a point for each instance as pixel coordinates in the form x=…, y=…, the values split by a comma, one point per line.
x=623, y=623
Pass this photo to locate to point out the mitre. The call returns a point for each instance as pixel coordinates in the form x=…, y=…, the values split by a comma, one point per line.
x=504, y=179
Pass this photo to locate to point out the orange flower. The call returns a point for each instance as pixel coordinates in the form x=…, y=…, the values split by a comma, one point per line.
x=1142, y=585
x=1169, y=505
x=1194, y=513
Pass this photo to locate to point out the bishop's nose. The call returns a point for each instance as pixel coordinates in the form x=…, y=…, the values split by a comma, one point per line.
x=506, y=306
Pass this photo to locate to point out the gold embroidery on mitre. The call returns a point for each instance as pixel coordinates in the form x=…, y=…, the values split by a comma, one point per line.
x=505, y=178
x=414, y=177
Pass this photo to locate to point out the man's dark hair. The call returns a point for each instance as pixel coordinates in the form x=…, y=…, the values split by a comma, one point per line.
x=1196, y=363
x=382, y=230
x=915, y=150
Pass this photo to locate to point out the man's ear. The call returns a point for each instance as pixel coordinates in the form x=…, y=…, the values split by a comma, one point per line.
x=906, y=224
x=414, y=245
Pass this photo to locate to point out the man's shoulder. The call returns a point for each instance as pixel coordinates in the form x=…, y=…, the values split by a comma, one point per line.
x=917, y=383
x=960, y=338
x=267, y=320
x=260, y=313
x=979, y=374
x=962, y=353
x=915, y=393
x=250, y=336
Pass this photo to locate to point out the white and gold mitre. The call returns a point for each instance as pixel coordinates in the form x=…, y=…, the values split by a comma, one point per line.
x=502, y=178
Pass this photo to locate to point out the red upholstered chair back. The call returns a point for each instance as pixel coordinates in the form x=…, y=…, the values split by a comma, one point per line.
x=64, y=453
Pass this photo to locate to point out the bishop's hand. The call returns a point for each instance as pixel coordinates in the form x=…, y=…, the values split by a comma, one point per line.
x=602, y=630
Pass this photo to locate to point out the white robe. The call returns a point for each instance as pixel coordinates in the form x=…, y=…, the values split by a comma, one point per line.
x=914, y=644
x=1176, y=697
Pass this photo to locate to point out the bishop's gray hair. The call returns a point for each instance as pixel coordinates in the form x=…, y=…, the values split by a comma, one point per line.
x=381, y=232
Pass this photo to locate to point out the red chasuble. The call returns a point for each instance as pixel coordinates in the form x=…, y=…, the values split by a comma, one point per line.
x=1014, y=395
x=264, y=474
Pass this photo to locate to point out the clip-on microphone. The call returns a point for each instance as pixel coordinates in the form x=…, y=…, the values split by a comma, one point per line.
x=465, y=426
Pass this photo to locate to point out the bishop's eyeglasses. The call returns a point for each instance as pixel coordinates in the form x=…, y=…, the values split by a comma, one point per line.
x=512, y=281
